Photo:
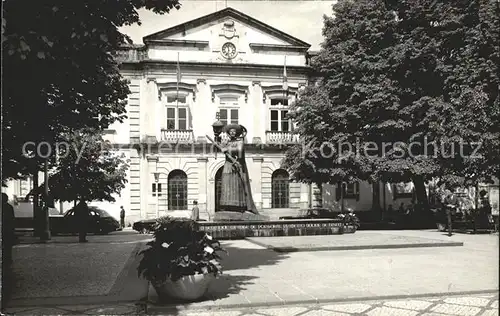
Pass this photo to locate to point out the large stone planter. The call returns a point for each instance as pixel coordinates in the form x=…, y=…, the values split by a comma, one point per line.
x=350, y=229
x=188, y=288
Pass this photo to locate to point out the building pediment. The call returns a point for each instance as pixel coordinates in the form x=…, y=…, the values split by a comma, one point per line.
x=227, y=25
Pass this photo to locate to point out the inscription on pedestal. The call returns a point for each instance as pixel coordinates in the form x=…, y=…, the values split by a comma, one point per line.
x=275, y=228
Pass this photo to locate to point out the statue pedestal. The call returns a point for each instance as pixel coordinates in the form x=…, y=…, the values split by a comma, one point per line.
x=224, y=216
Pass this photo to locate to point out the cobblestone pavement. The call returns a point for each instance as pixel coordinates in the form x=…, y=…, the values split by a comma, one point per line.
x=108, y=309
x=471, y=305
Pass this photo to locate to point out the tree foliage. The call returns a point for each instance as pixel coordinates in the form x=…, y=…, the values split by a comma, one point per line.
x=59, y=70
x=88, y=169
x=394, y=77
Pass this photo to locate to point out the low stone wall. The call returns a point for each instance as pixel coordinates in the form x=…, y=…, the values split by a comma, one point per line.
x=301, y=227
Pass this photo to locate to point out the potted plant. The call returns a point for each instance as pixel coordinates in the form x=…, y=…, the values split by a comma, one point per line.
x=349, y=219
x=181, y=261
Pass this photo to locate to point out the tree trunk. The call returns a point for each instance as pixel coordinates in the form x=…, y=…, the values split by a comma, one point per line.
x=421, y=192
x=44, y=221
x=36, y=202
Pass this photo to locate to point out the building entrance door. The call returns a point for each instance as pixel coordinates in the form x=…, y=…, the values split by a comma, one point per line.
x=218, y=187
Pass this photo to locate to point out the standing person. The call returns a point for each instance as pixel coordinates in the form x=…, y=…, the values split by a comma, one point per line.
x=195, y=212
x=122, y=217
x=8, y=229
x=449, y=207
x=82, y=214
x=485, y=217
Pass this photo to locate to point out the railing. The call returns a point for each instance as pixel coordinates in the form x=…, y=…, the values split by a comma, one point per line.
x=276, y=137
x=177, y=136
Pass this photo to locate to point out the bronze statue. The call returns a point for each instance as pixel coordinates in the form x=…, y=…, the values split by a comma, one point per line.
x=236, y=194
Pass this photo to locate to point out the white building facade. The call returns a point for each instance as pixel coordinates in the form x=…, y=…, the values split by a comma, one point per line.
x=225, y=65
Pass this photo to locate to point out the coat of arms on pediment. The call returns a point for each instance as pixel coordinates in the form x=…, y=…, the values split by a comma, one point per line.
x=228, y=29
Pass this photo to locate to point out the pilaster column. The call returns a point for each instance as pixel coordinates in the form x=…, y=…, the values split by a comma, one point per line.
x=144, y=181
x=152, y=163
x=203, y=186
x=200, y=122
x=258, y=111
x=256, y=184
x=305, y=195
x=151, y=127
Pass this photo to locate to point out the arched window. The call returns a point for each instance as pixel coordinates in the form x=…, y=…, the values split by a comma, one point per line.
x=177, y=190
x=280, y=189
x=218, y=186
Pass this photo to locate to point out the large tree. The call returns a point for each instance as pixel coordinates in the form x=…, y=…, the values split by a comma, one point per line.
x=88, y=169
x=59, y=71
x=388, y=78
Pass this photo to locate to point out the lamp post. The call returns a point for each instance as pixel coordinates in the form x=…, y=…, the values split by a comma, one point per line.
x=217, y=127
x=157, y=179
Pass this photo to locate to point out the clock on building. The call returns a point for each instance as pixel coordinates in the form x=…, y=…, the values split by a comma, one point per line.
x=228, y=50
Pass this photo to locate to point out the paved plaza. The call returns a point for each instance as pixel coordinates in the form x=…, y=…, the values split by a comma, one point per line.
x=100, y=277
x=258, y=276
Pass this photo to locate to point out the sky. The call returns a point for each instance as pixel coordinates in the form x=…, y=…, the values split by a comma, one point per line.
x=299, y=18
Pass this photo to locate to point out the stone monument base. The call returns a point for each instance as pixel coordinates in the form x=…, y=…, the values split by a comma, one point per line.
x=225, y=216
x=238, y=229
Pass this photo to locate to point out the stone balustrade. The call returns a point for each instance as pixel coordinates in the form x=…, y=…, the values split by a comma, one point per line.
x=177, y=136
x=276, y=137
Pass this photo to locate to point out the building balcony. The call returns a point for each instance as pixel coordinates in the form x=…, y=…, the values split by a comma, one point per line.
x=177, y=136
x=277, y=137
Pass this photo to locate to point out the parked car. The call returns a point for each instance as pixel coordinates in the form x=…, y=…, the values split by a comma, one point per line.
x=100, y=222
x=144, y=226
x=464, y=220
x=312, y=213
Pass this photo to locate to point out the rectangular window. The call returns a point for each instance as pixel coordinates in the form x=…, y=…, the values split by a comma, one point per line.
x=182, y=117
x=285, y=124
x=280, y=121
x=228, y=116
x=234, y=116
x=279, y=101
x=223, y=116
x=350, y=189
x=173, y=99
x=170, y=118
x=402, y=190
x=275, y=120
x=177, y=118
x=156, y=189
